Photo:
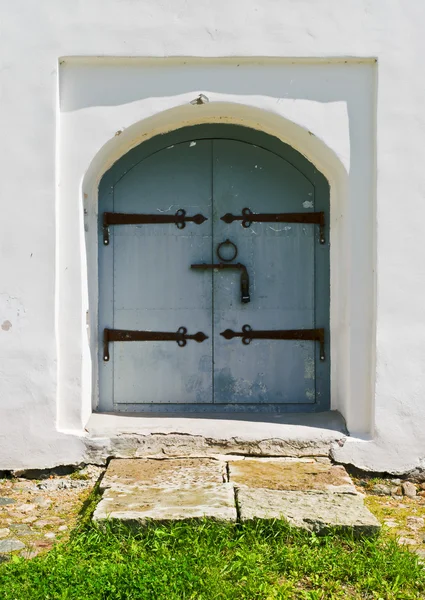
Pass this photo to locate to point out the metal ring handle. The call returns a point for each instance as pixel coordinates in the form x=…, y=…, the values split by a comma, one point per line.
x=227, y=243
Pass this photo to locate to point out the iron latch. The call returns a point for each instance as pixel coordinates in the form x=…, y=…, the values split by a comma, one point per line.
x=248, y=334
x=245, y=297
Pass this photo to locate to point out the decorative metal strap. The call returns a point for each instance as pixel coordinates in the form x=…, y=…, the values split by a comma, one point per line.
x=124, y=335
x=248, y=217
x=248, y=334
x=179, y=219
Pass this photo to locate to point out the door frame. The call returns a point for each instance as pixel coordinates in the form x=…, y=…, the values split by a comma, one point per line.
x=322, y=259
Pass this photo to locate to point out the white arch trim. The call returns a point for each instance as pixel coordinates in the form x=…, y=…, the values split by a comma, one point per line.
x=318, y=131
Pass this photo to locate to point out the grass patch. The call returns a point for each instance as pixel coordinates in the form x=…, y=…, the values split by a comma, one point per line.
x=208, y=560
x=77, y=476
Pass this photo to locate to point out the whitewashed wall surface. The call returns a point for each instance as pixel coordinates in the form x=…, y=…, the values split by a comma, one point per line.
x=84, y=81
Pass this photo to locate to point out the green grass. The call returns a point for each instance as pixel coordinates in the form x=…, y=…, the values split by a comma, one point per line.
x=210, y=560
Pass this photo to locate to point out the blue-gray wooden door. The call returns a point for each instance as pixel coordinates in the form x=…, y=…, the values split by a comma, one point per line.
x=146, y=281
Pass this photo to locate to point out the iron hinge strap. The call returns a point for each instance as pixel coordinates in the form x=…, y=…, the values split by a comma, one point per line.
x=248, y=334
x=248, y=217
x=126, y=335
x=179, y=219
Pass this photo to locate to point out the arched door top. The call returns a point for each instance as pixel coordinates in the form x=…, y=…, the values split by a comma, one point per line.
x=223, y=131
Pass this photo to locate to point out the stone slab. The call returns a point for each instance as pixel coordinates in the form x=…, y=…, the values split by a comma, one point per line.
x=10, y=545
x=172, y=489
x=287, y=474
x=167, y=473
x=6, y=501
x=130, y=436
x=213, y=501
x=315, y=511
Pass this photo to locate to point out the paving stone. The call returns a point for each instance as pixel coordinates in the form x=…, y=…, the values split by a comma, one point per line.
x=43, y=544
x=323, y=459
x=6, y=501
x=26, y=508
x=21, y=529
x=380, y=489
x=167, y=473
x=391, y=523
x=51, y=485
x=92, y=471
x=42, y=502
x=409, y=489
x=43, y=523
x=403, y=541
x=415, y=523
x=137, y=490
x=4, y=532
x=215, y=501
x=287, y=474
x=10, y=545
x=29, y=519
x=29, y=553
x=309, y=510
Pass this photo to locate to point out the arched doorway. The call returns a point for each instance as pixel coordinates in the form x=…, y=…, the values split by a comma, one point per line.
x=213, y=276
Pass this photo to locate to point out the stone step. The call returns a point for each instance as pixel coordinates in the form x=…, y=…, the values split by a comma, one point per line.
x=307, y=492
x=284, y=435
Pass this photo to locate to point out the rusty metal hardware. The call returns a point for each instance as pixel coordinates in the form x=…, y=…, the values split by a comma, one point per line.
x=245, y=298
x=248, y=334
x=124, y=335
x=179, y=219
x=248, y=217
x=223, y=244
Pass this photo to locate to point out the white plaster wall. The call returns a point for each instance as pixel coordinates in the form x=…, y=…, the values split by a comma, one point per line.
x=42, y=406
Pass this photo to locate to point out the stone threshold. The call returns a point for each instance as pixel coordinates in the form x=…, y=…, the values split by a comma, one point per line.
x=138, y=436
x=310, y=493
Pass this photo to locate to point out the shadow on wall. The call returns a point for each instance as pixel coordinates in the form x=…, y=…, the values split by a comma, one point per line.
x=123, y=81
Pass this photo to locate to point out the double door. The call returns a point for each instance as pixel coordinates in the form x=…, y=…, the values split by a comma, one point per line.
x=213, y=282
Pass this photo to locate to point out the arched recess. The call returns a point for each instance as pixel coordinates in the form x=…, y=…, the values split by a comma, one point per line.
x=345, y=382
x=213, y=169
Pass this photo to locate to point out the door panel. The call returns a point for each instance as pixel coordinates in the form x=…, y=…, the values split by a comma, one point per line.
x=280, y=262
x=153, y=288
x=146, y=282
